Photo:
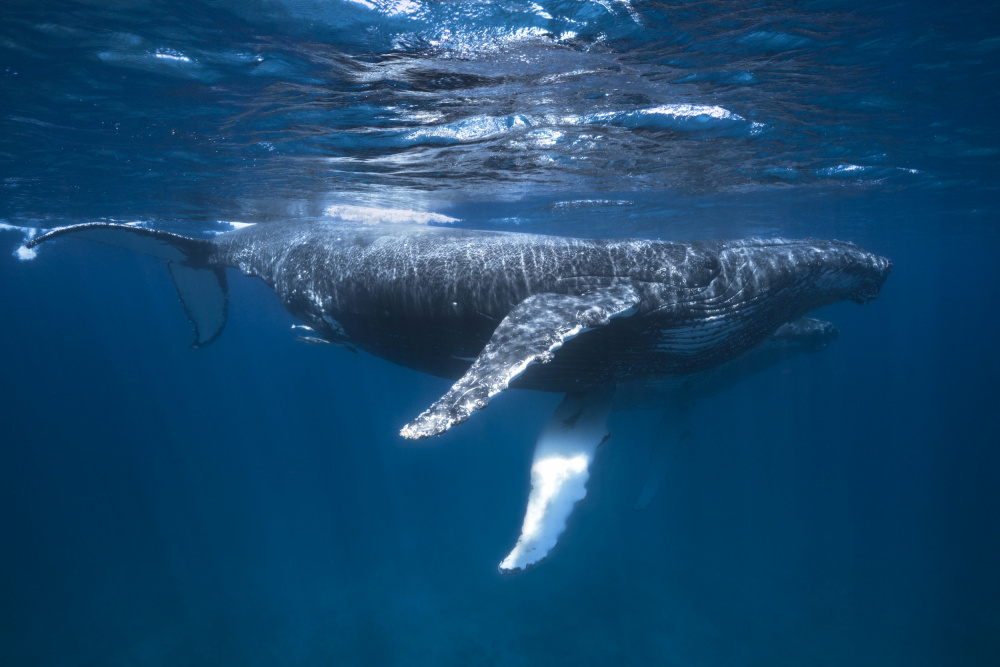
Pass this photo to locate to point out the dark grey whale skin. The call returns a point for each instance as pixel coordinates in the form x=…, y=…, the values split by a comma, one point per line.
x=803, y=336
x=430, y=297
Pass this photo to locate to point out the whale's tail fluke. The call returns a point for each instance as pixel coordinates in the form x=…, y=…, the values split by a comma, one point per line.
x=201, y=285
x=23, y=252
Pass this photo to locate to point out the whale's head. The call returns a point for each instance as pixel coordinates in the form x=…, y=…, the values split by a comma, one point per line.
x=858, y=273
x=816, y=273
x=795, y=276
x=805, y=334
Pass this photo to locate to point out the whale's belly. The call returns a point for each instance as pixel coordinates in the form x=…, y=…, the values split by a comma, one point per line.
x=626, y=350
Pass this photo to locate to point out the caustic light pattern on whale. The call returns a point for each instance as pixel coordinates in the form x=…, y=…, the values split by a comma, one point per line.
x=576, y=316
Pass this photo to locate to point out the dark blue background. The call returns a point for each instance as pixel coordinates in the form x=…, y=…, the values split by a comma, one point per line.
x=251, y=503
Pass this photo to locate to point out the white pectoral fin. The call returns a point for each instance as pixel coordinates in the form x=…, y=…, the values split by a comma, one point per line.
x=559, y=473
x=531, y=332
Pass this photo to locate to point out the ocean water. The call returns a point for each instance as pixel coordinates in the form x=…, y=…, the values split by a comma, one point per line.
x=251, y=503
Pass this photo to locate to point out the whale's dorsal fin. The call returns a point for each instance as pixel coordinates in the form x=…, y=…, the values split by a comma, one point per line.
x=201, y=287
x=531, y=332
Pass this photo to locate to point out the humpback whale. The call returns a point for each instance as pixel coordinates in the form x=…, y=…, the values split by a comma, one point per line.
x=676, y=397
x=490, y=310
x=567, y=444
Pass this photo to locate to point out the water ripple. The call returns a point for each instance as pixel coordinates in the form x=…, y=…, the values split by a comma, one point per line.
x=193, y=107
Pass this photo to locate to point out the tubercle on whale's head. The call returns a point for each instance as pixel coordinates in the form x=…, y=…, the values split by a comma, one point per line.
x=818, y=272
x=837, y=271
x=870, y=272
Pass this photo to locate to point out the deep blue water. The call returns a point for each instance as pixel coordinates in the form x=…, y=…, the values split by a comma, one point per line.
x=251, y=503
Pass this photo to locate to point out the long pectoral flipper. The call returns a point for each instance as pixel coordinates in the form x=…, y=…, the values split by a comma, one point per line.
x=559, y=473
x=531, y=332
